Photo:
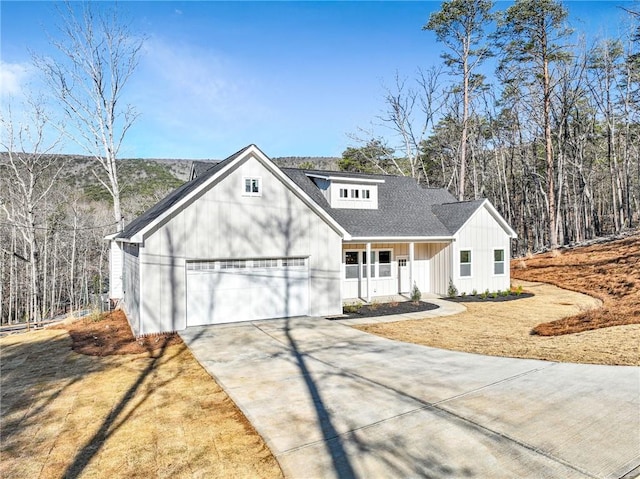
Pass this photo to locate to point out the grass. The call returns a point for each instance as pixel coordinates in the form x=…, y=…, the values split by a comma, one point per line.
x=608, y=271
x=150, y=414
x=503, y=329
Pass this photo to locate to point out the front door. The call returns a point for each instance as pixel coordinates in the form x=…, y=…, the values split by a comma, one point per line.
x=403, y=275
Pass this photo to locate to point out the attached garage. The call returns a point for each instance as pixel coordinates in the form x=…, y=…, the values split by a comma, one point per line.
x=234, y=290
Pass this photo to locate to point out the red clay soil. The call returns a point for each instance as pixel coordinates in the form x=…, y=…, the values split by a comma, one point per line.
x=607, y=271
x=112, y=335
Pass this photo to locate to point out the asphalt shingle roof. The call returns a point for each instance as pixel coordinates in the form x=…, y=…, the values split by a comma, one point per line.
x=199, y=167
x=172, y=198
x=454, y=215
x=405, y=209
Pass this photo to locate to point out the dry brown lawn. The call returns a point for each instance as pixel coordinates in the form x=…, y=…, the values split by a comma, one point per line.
x=153, y=414
x=503, y=329
x=608, y=271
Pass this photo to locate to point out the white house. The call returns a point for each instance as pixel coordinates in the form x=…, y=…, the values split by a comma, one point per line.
x=245, y=240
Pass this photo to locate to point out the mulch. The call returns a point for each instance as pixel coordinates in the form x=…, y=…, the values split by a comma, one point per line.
x=386, y=309
x=111, y=335
x=489, y=299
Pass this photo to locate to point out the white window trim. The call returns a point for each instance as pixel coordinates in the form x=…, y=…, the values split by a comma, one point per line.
x=504, y=262
x=244, y=181
x=377, y=264
x=460, y=263
x=359, y=189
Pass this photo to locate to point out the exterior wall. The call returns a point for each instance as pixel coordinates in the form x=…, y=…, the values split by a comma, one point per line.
x=131, y=285
x=430, y=259
x=224, y=223
x=441, y=263
x=481, y=235
x=115, y=270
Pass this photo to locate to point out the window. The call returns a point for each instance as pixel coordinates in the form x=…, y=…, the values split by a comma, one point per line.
x=465, y=263
x=372, y=263
x=351, y=264
x=201, y=265
x=498, y=261
x=355, y=194
x=344, y=193
x=384, y=268
x=233, y=264
x=402, y=263
x=252, y=187
x=265, y=263
x=293, y=262
x=366, y=194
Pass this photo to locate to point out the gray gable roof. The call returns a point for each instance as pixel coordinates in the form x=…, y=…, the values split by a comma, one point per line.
x=404, y=207
x=198, y=167
x=174, y=197
x=455, y=215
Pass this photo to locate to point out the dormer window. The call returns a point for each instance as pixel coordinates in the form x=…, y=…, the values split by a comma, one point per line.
x=252, y=187
x=344, y=193
x=355, y=194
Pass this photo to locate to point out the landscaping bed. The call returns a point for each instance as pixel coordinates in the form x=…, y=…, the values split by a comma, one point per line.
x=385, y=309
x=491, y=298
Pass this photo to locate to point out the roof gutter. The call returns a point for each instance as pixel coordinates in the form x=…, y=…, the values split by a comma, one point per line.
x=399, y=239
x=345, y=179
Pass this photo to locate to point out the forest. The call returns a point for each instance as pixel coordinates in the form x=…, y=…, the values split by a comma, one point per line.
x=553, y=141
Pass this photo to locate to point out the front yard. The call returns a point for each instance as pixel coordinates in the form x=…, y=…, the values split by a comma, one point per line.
x=155, y=414
x=504, y=329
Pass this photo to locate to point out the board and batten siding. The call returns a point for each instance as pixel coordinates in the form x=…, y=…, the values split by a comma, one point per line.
x=115, y=270
x=131, y=285
x=223, y=223
x=440, y=267
x=481, y=235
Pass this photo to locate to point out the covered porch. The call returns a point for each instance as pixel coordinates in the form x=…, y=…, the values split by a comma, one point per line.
x=377, y=269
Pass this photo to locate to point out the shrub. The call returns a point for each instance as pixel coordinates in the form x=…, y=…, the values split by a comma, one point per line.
x=351, y=308
x=485, y=294
x=463, y=294
x=373, y=305
x=474, y=292
x=415, y=293
x=452, y=291
x=518, y=290
x=96, y=315
x=494, y=295
x=505, y=292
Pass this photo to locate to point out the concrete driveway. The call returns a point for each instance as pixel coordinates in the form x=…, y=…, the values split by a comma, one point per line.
x=332, y=401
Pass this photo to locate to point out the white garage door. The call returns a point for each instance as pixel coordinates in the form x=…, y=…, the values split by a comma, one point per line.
x=227, y=291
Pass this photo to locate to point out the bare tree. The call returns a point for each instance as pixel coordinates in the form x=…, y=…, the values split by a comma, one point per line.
x=98, y=54
x=532, y=34
x=459, y=24
x=28, y=174
x=411, y=111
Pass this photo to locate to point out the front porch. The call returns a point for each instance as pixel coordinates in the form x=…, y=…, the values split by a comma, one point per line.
x=389, y=269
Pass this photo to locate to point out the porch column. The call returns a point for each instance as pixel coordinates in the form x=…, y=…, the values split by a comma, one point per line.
x=411, y=255
x=368, y=270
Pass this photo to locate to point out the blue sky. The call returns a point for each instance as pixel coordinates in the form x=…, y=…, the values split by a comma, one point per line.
x=296, y=78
